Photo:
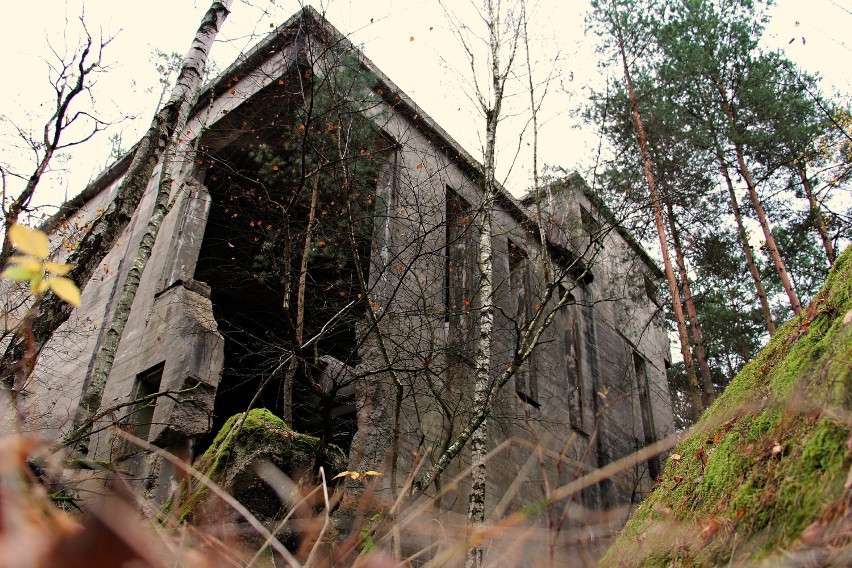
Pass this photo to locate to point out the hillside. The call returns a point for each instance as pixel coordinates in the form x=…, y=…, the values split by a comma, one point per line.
x=764, y=478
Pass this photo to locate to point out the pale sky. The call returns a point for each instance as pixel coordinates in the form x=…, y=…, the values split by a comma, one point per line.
x=409, y=40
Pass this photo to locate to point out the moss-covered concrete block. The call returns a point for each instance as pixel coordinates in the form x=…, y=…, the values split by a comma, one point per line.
x=248, y=440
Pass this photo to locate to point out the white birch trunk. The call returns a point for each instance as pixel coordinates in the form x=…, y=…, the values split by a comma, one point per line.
x=478, y=446
x=482, y=378
x=184, y=96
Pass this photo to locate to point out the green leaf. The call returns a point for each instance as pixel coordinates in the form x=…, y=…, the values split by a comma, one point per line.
x=29, y=241
x=65, y=289
x=17, y=272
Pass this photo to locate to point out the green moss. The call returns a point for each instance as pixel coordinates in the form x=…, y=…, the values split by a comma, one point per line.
x=804, y=483
x=724, y=468
x=749, y=494
x=752, y=383
x=786, y=377
x=825, y=444
x=765, y=422
x=767, y=459
x=838, y=284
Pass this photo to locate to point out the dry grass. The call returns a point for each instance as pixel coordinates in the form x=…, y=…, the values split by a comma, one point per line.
x=40, y=526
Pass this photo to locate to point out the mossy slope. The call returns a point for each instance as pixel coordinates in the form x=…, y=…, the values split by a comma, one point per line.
x=764, y=477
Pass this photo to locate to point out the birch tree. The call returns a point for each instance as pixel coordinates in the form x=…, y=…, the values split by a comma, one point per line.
x=102, y=234
x=503, y=31
x=504, y=27
x=168, y=125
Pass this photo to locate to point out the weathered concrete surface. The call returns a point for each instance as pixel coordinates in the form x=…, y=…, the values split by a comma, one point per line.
x=185, y=334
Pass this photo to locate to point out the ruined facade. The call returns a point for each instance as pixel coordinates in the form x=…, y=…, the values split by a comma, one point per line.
x=320, y=261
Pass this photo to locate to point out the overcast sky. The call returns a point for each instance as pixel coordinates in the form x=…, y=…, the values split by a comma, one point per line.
x=408, y=39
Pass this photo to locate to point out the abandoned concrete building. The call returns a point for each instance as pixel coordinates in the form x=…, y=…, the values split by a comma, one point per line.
x=320, y=261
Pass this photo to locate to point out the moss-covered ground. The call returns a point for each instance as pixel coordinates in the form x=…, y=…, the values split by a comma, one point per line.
x=764, y=477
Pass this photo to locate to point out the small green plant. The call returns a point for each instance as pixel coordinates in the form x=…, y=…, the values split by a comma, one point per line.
x=34, y=267
x=367, y=533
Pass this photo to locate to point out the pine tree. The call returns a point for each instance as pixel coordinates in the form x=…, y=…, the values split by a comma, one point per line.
x=622, y=22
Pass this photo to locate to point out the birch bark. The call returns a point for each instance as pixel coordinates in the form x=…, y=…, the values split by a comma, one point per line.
x=483, y=386
x=187, y=89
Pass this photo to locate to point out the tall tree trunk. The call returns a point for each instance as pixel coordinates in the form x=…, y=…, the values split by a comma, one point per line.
x=482, y=377
x=485, y=263
x=185, y=95
x=697, y=337
x=777, y=261
x=686, y=352
x=749, y=254
x=821, y=227
x=482, y=374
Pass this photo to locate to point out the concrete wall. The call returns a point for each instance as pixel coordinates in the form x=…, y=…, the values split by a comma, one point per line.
x=584, y=398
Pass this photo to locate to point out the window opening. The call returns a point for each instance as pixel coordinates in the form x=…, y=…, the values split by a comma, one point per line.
x=142, y=415
x=639, y=367
x=458, y=258
x=526, y=385
x=460, y=271
x=651, y=289
x=573, y=348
